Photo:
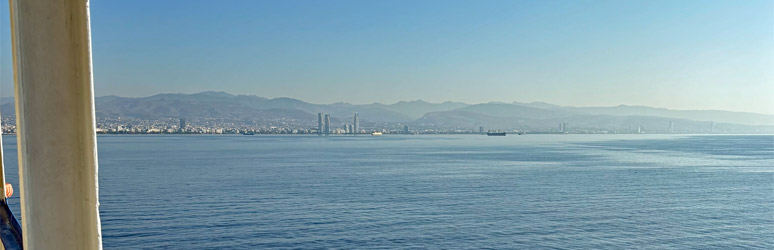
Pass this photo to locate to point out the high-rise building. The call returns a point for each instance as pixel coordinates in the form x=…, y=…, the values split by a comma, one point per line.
x=319, y=123
x=406, y=129
x=671, y=127
x=563, y=127
x=182, y=124
x=481, y=129
x=356, y=124
x=327, y=127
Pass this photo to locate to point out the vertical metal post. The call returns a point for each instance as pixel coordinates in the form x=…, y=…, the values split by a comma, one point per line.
x=55, y=124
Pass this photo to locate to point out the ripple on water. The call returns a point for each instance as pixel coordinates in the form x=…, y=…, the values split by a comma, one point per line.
x=534, y=191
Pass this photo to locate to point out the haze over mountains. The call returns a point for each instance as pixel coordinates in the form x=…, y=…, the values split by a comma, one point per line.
x=535, y=116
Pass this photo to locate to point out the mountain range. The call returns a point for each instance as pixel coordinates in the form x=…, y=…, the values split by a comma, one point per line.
x=493, y=115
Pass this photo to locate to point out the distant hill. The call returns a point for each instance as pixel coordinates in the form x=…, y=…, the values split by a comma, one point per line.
x=546, y=117
x=516, y=111
x=223, y=105
x=697, y=115
x=206, y=104
x=227, y=106
x=418, y=113
x=719, y=116
x=417, y=109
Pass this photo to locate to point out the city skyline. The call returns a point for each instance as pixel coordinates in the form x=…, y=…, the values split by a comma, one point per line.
x=220, y=112
x=698, y=55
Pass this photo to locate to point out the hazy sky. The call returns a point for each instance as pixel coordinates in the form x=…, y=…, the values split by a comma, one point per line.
x=674, y=54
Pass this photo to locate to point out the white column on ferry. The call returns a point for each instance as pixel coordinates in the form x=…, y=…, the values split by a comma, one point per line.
x=55, y=124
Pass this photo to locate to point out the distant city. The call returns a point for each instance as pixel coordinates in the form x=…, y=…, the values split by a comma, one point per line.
x=126, y=125
x=223, y=113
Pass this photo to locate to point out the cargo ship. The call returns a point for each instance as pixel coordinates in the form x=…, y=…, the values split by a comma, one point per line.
x=495, y=133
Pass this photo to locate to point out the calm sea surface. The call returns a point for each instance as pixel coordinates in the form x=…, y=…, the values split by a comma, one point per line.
x=469, y=191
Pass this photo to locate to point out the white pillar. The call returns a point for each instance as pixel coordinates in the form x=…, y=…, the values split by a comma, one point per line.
x=56, y=127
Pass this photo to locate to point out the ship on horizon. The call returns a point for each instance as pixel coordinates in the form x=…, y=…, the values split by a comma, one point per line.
x=495, y=133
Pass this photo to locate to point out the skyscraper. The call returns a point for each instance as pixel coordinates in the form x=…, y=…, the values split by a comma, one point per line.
x=671, y=127
x=319, y=123
x=327, y=127
x=182, y=125
x=406, y=129
x=356, y=124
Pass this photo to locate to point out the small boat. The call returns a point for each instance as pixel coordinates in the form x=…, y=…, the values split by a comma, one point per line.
x=248, y=133
x=495, y=133
x=376, y=133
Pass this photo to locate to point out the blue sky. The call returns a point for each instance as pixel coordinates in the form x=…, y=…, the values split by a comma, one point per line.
x=673, y=54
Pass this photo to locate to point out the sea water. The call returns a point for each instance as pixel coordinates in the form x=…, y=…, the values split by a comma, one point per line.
x=433, y=191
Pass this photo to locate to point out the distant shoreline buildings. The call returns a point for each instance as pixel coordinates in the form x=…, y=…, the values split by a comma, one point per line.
x=222, y=113
x=326, y=124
